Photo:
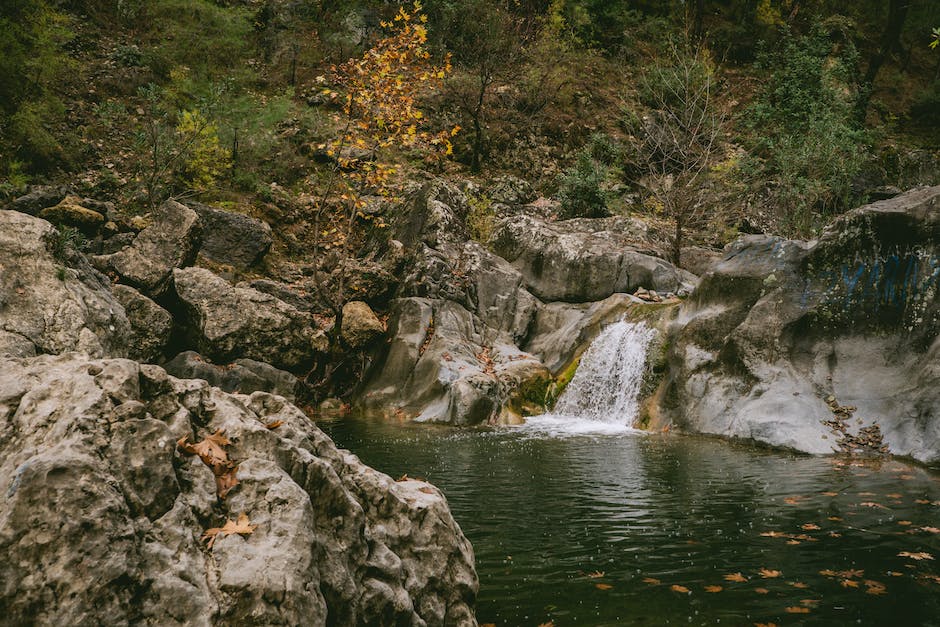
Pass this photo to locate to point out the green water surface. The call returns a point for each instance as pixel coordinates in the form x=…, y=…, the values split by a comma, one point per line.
x=629, y=529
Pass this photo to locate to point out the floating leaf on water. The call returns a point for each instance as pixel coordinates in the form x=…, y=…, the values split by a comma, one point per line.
x=799, y=584
x=792, y=542
x=603, y=586
x=713, y=588
x=930, y=529
x=809, y=602
x=916, y=556
x=767, y=573
x=761, y=590
x=849, y=583
x=652, y=581
x=893, y=495
x=597, y=574
x=765, y=624
x=738, y=577
x=809, y=527
x=796, y=609
x=872, y=504
x=830, y=494
x=905, y=523
x=793, y=500
x=677, y=588
x=834, y=519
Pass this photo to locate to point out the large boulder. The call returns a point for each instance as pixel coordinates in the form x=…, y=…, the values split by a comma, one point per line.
x=51, y=300
x=781, y=333
x=243, y=376
x=443, y=365
x=73, y=213
x=38, y=198
x=151, y=324
x=361, y=326
x=232, y=239
x=584, y=260
x=103, y=515
x=225, y=322
x=170, y=241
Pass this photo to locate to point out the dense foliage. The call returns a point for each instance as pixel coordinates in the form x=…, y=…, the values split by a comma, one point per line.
x=820, y=102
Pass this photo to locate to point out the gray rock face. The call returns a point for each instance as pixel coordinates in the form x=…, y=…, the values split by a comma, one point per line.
x=38, y=198
x=226, y=322
x=231, y=238
x=101, y=515
x=242, y=375
x=171, y=241
x=777, y=327
x=582, y=260
x=361, y=326
x=53, y=304
x=441, y=368
x=150, y=323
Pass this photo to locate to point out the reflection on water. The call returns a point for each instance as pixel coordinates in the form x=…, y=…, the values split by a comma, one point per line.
x=630, y=529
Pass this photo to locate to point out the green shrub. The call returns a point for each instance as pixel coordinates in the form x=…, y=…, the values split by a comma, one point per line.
x=581, y=189
x=481, y=218
x=803, y=134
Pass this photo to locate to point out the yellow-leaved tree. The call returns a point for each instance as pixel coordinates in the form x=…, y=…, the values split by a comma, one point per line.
x=380, y=120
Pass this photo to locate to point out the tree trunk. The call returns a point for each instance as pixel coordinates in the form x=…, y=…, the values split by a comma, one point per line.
x=890, y=41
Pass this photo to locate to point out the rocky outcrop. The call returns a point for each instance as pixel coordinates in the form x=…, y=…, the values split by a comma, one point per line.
x=170, y=241
x=361, y=326
x=780, y=332
x=39, y=198
x=441, y=367
x=51, y=300
x=232, y=239
x=242, y=375
x=102, y=515
x=225, y=322
x=151, y=324
x=71, y=212
x=584, y=260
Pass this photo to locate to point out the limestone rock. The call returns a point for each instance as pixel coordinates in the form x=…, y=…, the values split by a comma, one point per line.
x=38, y=198
x=231, y=238
x=778, y=326
x=54, y=304
x=360, y=325
x=242, y=375
x=150, y=323
x=226, y=322
x=71, y=212
x=583, y=260
x=170, y=241
x=101, y=515
x=441, y=366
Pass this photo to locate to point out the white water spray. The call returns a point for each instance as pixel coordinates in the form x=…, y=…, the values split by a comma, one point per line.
x=602, y=395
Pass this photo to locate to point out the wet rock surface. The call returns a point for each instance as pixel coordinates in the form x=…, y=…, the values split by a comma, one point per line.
x=102, y=515
x=777, y=327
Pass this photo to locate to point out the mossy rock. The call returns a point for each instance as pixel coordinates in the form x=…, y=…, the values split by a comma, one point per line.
x=70, y=212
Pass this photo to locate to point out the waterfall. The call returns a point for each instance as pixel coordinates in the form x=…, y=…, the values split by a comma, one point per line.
x=602, y=395
x=606, y=385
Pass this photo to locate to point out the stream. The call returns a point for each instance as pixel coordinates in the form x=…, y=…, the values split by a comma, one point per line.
x=578, y=519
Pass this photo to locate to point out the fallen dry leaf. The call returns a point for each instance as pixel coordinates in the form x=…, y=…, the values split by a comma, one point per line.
x=830, y=494
x=548, y=624
x=849, y=583
x=872, y=504
x=765, y=624
x=226, y=481
x=930, y=529
x=713, y=588
x=242, y=527
x=652, y=581
x=809, y=527
x=210, y=449
x=769, y=574
x=796, y=609
x=738, y=577
x=905, y=523
x=275, y=424
x=603, y=586
x=799, y=584
x=834, y=519
x=893, y=495
x=792, y=500
x=761, y=590
x=793, y=542
x=677, y=588
x=916, y=556
x=597, y=574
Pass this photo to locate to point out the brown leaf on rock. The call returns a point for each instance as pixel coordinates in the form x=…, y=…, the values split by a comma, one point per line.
x=242, y=526
x=275, y=424
x=226, y=481
x=210, y=449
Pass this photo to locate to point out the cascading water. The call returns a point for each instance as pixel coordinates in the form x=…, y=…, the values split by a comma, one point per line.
x=602, y=395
